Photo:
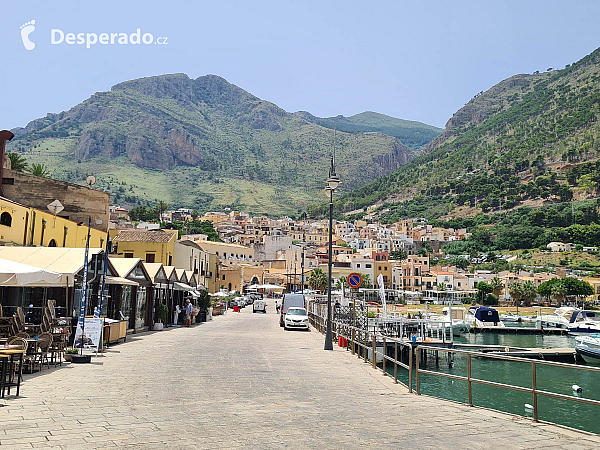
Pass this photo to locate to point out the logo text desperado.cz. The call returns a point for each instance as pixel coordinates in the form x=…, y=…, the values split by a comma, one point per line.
x=58, y=37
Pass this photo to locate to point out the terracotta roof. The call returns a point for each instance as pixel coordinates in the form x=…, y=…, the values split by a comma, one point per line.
x=144, y=236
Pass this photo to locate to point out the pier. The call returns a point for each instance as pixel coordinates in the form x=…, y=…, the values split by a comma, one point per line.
x=241, y=381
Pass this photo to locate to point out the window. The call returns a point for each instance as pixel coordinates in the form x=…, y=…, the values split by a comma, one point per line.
x=358, y=266
x=52, y=243
x=385, y=268
x=223, y=277
x=368, y=266
x=128, y=255
x=6, y=219
x=150, y=257
x=170, y=260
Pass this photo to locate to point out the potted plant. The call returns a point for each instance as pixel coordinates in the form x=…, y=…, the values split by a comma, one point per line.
x=161, y=316
x=204, y=303
x=70, y=352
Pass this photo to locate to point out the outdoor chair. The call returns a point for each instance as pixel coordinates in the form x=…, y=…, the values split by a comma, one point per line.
x=43, y=348
x=22, y=343
x=22, y=334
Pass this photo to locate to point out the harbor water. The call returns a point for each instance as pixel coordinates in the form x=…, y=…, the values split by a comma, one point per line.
x=552, y=379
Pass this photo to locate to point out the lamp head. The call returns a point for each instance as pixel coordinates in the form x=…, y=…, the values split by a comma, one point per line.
x=333, y=181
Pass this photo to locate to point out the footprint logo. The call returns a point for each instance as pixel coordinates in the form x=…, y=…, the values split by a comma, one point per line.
x=26, y=30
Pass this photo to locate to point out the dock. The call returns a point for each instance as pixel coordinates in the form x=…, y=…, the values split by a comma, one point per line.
x=566, y=354
x=518, y=330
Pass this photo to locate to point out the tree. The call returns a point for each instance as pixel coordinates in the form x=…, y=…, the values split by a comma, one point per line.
x=442, y=287
x=497, y=286
x=516, y=292
x=366, y=281
x=340, y=283
x=18, y=162
x=399, y=254
x=161, y=207
x=483, y=289
x=317, y=280
x=39, y=170
x=529, y=292
x=559, y=292
x=195, y=214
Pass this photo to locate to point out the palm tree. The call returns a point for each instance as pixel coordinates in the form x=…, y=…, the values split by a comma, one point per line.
x=39, y=170
x=442, y=287
x=516, y=292
x=161, y=207
x=529, y=292
x=497, y=286
x=340, y=283
x=317, y=280
x=195, y=214
x=18, y=162
x=559, y=292
x=366, y=281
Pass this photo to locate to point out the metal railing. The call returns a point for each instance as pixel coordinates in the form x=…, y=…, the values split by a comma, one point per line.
x=362, y=342
x=533, y=390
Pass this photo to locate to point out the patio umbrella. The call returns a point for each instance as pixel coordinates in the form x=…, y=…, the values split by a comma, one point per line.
x=17, y=274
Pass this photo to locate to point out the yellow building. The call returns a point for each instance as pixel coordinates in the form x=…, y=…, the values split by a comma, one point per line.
x=215, y=217
x=595, y=283
x=228, y=253
x=151, y=246
x=24, y=226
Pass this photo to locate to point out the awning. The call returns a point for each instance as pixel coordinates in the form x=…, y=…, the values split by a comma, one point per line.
x=182, y=286
x=17, y=274
x=269, y=287
x=119, y=280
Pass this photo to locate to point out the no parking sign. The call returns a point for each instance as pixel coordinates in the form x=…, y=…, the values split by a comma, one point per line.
x=354, y=280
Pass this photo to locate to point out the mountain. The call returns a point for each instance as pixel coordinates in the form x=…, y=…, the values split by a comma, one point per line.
x=532, y=139
x=413, y=134
x=206, y=143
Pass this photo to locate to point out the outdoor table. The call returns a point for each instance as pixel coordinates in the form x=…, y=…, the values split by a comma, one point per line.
x=4, y=359
x=11, y=353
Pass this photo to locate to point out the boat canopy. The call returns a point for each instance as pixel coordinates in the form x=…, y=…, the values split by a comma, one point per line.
x=579, y=316
x=486, y=314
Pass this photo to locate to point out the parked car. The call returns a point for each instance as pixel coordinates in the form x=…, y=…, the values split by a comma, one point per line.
x=296, y=318
x=290, y=301
x=259, y=306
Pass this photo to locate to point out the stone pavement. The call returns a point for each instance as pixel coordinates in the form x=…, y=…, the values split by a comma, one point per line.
x=240, y=381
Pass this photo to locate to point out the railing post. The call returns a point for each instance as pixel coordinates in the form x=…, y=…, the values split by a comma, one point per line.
x=352, y=340
x=418, y=359
x=373, y=357
x=469, y=379
x=396, y=362
x=410, y=369
x=384, y=354
x=364, y=348
x=534, y=389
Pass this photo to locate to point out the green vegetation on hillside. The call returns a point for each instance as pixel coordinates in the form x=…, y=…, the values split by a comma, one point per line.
x=413, y=134
x=520, y=141
x=202, y=143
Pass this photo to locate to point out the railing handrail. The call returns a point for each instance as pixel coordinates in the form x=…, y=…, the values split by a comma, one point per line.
x=367, y=339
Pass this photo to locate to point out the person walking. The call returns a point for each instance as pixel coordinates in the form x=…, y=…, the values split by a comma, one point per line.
x=188, y=313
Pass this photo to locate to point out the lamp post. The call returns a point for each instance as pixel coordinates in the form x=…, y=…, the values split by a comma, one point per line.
x=302, y=263
x=332, y=183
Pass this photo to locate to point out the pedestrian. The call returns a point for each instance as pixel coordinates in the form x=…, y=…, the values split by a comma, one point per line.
x=276, y=306
x=188, y=313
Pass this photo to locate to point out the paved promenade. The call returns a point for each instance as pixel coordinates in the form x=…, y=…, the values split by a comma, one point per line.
x=240, y=381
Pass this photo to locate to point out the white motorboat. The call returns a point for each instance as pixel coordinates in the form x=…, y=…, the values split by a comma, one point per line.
x=509, y=317
x=459, y=322
x=483, y=316
x=584, y=322
x=560, y=318
x=589, y=348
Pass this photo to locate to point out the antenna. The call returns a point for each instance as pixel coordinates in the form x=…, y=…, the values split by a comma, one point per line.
x=90, y=180
x=55, y=207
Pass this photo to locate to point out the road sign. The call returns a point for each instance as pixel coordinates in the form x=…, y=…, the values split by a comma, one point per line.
x=354, y=280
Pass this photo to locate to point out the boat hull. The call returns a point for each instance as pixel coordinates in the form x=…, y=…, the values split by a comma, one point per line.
x=589, y=354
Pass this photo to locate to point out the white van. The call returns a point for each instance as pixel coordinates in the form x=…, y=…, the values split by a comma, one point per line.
x=259, y=305
x=290, y=301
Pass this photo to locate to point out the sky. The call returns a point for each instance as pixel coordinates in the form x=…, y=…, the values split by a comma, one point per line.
x=408, y=59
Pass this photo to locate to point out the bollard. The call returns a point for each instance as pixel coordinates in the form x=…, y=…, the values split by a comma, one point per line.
x=373, y=353
x=384, y=354
x=396, y=362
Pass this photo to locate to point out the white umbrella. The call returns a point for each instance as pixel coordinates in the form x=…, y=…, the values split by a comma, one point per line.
x=268, y=287
x=17, y=274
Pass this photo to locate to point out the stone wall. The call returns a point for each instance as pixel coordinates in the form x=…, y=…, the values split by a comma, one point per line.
x=80, y=202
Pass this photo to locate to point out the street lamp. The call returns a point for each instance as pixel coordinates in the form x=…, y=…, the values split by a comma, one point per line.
x=302, y=244
x=332, y=183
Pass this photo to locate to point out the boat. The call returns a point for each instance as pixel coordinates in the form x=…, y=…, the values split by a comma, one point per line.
x=584, y=322
x=560, y=318
x=589, y=348
x=510, y=317
x=459, y=322
x=483, y=316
